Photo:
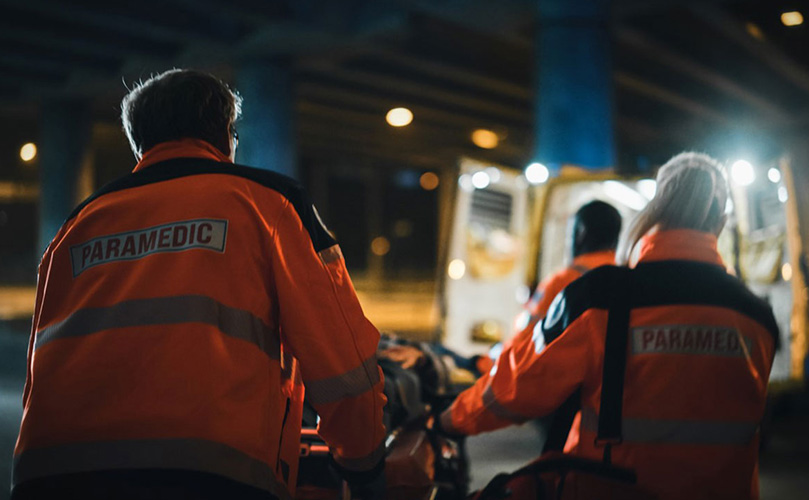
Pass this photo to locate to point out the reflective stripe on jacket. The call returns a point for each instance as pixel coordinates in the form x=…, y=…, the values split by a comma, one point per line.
x=180, y=312
x=699, y=355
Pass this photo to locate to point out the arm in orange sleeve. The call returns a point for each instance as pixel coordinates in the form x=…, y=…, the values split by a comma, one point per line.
x=323, y=326
x=529, y=380
x=549, y=289
x=537, y=306
x=43, y=273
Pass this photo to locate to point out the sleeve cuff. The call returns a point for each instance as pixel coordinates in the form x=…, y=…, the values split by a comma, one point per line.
x=446, y=425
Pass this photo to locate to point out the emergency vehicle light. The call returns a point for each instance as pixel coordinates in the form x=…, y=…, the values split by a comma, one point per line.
x=537, y=173
x=456, y=269
x=481, y=180
x=742, y=173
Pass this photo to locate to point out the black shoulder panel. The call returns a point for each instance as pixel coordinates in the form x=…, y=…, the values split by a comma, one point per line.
x=591, y=291
x=687, y=282
x=184, y=167
x=670, y=282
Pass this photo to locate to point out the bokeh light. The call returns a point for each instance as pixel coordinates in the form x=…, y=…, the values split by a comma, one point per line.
x=380, y=246
x=537, y=173
x=456, y=269
x=481, y=180
x=786, y=271
x=399, y=117
x=783, y=194
x=429, y=181
x=742, y=173
x=485, y=139
x=793, y=18
x=28, y=151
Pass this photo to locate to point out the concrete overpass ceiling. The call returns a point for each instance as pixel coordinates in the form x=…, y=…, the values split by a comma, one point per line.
x=682, y=69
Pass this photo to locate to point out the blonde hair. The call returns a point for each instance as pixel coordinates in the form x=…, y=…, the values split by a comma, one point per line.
x=692, y=192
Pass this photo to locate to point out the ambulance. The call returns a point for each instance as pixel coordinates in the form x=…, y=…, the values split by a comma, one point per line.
x=509, y=231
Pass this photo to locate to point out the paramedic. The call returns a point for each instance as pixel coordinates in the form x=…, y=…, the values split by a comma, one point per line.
x=700, y=348
x=594, y=236
x=595, y=228
x=180, y=312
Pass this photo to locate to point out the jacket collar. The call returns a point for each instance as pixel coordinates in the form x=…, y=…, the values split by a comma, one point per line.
x=595, y=259
x=680, y=244
x=183, y=148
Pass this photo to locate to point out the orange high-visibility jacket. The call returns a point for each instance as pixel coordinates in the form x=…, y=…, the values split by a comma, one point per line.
x=537, y=306
x=699, y=355
x=180, y=312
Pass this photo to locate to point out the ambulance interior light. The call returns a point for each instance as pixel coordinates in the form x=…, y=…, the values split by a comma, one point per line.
x=786, y=271
x=783, y=195
x=494, y=174
x=622, y=193
x=742, y=173
x=537, y=173
x=481, y=180
x=465, y=183
x=456, y=269
x=648, y=188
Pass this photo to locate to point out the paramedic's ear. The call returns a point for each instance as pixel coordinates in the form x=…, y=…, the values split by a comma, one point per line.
x=233, y=140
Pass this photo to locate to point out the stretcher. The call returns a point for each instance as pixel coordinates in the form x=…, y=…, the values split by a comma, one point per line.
x=420, y=464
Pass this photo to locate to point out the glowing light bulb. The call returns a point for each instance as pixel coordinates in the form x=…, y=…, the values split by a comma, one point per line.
x=28, y=151
x=380, y=246
x=793, y=18
x=494, y=174
x=742, y=173
x=786, y=271
x=485, y=139
x=480, y=180
x=774, y=175
x=537, y=173
x=399, y=117
x=456, y=269
x=428, y=181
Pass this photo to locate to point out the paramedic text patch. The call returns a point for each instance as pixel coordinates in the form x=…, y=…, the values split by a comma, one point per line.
x=210, y=234
x=689, y=339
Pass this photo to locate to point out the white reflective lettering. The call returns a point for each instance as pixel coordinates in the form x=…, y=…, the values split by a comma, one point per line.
x=208, y=234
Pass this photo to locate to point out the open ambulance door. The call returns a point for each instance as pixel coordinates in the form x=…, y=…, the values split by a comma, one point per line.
x=506, y=235
x=767, y=254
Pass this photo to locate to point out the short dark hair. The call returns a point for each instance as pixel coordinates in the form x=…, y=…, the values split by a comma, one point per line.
x=596, y=226
x=179, y=104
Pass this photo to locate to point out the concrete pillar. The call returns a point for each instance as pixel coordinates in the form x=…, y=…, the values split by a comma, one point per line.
x=573, y=85
x=64, y=139
x=267, y=128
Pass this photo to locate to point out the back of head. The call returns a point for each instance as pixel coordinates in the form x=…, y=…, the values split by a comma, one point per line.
x=180, y=104
x=596, y=226
x=692, y=192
